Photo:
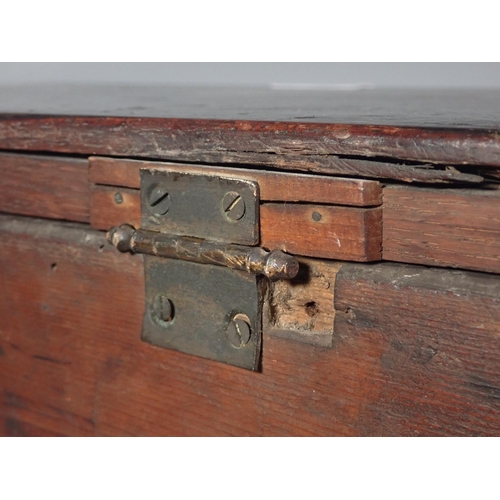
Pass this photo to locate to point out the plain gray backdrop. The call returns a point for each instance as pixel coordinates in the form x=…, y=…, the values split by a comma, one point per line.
x=423, y=75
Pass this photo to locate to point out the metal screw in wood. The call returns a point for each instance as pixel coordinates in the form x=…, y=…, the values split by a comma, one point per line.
x=162, y=310
x=159, y=199
x=233, y=206
x=239, y=331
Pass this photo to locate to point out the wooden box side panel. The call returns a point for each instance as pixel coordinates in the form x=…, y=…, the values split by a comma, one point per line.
x=45, y=186
x=72, y=361
x=448, y=228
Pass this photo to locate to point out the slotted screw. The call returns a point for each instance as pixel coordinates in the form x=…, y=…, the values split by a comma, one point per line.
x=233, y=206
x=239, y=331
x=163, y=308
x=159, y=199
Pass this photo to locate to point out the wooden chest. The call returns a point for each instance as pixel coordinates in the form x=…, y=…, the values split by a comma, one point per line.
x=377, y=311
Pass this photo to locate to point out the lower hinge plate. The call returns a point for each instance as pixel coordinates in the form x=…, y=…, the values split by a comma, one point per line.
x=208, y=311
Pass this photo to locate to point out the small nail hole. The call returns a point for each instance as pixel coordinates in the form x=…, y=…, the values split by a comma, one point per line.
x=53, y=266
x=312, y=309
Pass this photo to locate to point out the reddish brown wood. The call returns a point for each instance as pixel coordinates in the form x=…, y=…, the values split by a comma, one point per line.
x=342, y=233
x=434, y=342
x=287, y=146
x=273, y=186
x=415, y=352
x=44, y=186
x=105, y=212
x=449, y=228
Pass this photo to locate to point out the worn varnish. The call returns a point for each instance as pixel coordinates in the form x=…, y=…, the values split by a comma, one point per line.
x=448, y=228
x=277, y=127
x=414, y=352
x=45, y=186
x=350, y=346
x=318, y=148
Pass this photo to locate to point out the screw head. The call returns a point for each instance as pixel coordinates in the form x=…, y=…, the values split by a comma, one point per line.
x=239, y=331
x=118, y=198
x=158, y=199
x=162, y=309
x=233, y=206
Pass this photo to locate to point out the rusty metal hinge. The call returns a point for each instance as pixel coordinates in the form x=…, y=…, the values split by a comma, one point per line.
x=205, y=277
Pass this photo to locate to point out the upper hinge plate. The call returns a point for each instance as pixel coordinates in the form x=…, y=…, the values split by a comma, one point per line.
x=200, y=206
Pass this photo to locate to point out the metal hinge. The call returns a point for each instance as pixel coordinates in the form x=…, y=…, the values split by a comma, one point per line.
x=205, y=277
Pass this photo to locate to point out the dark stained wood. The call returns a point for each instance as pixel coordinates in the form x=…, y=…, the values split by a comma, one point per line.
x=415, y=352
x=345, y=233
x=273, y=186
x=434, y=342
x=342, y=233
x=318, y=148
x=43, y=186
x=448, y=228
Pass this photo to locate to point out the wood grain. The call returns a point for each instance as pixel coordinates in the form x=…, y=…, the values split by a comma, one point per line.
x=105, y=212
x=415, y=352
x=44, y=186
x=437, y=332
x=333, y=149
x=450, y=127
x=342, y=233
x=274, y=186
x=448, y=228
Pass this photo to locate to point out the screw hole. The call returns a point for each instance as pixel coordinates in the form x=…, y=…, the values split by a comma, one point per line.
x=312, y=309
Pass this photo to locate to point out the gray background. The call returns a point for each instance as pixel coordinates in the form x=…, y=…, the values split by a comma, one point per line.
x=322, y=75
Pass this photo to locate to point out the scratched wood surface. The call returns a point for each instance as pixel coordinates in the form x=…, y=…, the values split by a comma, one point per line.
x=45, y=186
x=343, y=150
x=447, y=228
x=414, y=352
x=374, y=134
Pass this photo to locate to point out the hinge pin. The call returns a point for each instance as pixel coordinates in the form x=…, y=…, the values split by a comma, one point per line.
x=275, y=265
